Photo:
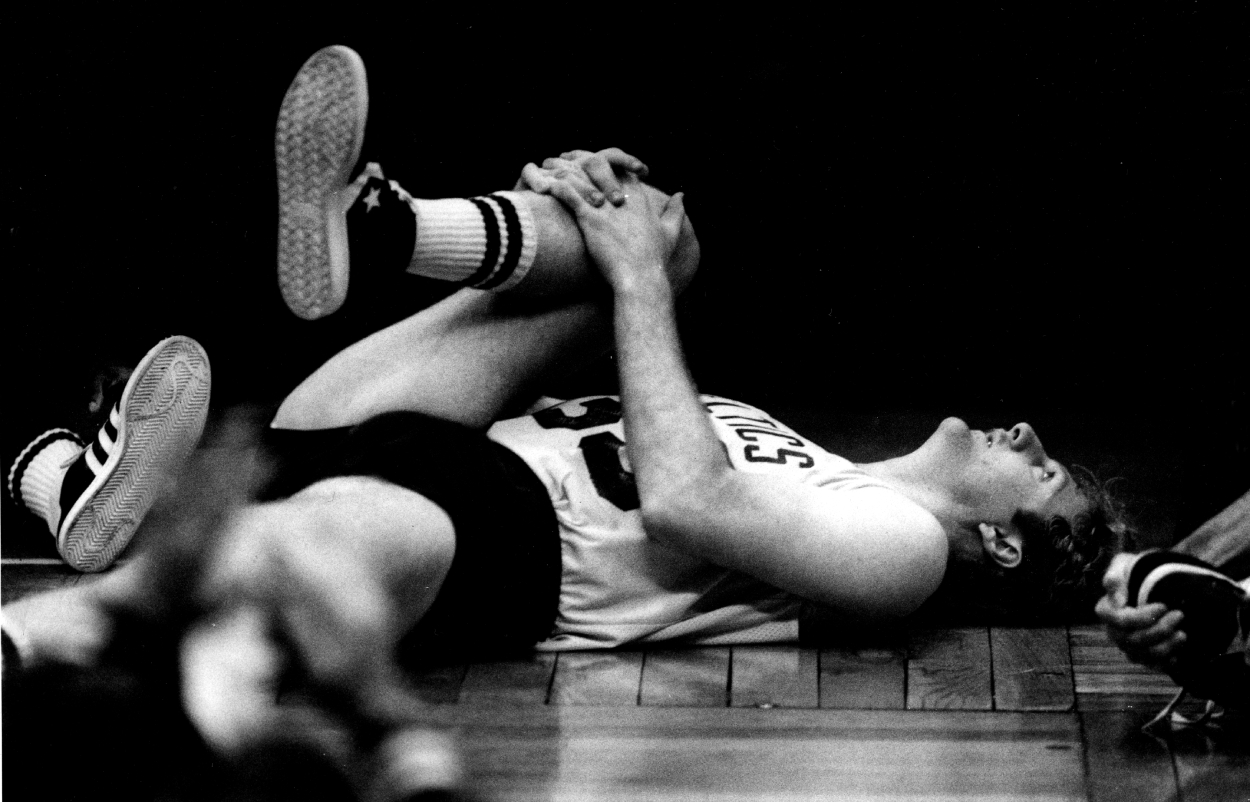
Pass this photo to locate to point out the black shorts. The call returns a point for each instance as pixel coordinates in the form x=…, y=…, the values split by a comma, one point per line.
x=500, y=595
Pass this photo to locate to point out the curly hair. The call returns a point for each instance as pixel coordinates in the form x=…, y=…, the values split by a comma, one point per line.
x=1059, y=577
x=1064, y=560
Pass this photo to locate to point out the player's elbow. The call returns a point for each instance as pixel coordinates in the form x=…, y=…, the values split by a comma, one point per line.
x=915, y=581
x=670, y=515
x=889, y=585
x=662, y=519
x=879, y=599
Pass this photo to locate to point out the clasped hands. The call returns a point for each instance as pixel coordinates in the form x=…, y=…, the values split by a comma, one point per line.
x=631, y=229
x=592, y=174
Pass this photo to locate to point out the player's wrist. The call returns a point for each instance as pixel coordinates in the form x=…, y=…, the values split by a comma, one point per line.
x=639, y=276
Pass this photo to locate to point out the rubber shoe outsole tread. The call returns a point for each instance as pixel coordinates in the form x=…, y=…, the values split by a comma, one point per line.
x=320, y=131
x=163, y=410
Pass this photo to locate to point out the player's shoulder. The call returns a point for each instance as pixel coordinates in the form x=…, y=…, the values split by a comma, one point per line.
x=889, y=527
x=900, y=514
x=920, y=547
x=889, y=553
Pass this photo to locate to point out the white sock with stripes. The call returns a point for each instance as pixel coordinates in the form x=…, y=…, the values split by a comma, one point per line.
x=487, y=242
x=38, y=472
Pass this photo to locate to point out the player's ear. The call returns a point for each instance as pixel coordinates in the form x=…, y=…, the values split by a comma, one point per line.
x=1004, y=546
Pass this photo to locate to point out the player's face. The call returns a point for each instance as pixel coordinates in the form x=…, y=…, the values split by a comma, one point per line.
x=1002, y=471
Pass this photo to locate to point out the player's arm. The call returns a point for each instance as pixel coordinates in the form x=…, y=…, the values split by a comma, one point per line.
x=868, y=554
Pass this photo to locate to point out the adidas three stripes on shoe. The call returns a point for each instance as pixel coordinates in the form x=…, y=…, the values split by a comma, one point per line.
x=93, y=495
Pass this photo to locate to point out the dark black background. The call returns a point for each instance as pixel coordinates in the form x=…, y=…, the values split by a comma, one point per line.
x=999, y=214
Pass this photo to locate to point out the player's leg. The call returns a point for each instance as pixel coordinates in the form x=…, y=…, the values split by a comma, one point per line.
x=468, y=358
x=471, y=357
x=329, y=577
x=318, y=586
x=460, y=360
x=312, y=594
x=341, y=570
x=332, y=231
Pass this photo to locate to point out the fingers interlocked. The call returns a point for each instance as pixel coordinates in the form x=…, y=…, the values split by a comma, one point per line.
x=595, y=176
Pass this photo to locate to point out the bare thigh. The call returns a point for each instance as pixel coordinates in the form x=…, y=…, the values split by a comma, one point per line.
x=476, y=355
x=349, y=557
x=327, y=580
x=467, y=360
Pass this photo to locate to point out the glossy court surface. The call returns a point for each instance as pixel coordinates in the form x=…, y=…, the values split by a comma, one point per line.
x=926, y=714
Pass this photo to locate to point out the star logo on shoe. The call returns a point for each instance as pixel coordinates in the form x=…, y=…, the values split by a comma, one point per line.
x=373, y=200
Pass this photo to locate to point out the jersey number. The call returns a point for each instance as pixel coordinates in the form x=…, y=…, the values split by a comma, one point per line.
x=601, y=452
x=599, y=412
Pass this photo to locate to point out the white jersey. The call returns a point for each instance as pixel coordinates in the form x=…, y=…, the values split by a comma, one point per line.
x=618, y=586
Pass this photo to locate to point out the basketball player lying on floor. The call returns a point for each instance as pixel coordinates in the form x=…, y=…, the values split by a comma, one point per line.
x=406, y=504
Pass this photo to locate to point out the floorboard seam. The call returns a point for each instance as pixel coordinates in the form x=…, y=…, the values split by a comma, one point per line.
x=989, y=638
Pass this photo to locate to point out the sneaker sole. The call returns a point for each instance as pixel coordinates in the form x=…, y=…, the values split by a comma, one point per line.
x=321, y=128
x=163, y=409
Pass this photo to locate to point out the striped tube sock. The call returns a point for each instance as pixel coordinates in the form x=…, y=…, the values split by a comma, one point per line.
x=39, y=472
x=487, y=242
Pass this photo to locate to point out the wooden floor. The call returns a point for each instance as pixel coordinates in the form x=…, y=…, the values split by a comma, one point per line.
x=930, y=714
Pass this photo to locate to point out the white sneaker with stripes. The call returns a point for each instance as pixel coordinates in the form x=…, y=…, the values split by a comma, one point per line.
x=94, y=495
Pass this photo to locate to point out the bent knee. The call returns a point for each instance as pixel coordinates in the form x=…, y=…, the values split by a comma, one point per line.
x=402, y=535
x=377, y=503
